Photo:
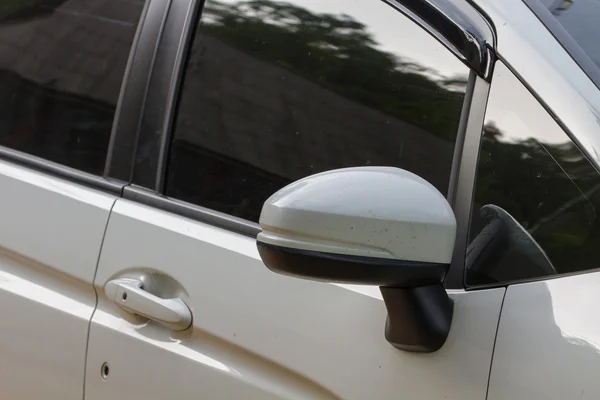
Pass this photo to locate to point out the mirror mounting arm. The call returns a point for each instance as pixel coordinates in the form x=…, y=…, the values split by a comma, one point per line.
x=419, y=318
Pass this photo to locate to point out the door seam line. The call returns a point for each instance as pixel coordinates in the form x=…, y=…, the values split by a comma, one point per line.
x=87, y=343
x=487, y=389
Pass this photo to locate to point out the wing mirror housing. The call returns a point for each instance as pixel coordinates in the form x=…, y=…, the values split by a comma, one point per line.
x=369, y=225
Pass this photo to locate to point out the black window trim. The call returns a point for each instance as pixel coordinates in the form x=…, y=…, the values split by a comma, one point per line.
x=163, y=89
x=465, y=179
x=182, y=208
x=61, y=171
x=133, y=97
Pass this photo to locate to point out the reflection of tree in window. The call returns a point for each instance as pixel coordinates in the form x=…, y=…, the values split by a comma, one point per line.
x=339, y=53
x=551, y=190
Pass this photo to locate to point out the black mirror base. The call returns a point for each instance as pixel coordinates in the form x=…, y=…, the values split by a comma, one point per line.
x=419, y=318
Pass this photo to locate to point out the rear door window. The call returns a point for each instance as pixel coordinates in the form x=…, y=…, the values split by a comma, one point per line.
x=61, y=67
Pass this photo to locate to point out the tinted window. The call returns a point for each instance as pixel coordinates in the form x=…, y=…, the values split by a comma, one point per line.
x=61, y=67
x=276, y=91
x=537, y=197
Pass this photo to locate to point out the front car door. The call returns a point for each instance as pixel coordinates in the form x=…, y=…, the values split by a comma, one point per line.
x=272, y=92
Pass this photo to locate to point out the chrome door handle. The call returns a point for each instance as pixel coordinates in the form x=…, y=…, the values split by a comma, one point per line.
x=130, y=295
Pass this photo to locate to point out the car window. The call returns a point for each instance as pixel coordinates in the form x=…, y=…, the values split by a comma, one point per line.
x=537, y=197
x=61, y=67
x=276, y=91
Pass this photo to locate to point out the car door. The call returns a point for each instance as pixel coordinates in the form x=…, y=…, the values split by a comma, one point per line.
x=244, y=100
x=60, y=79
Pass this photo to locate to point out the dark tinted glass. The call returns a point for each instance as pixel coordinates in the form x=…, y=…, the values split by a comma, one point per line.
x=537, y=197
x=276, y=91
x=61, y=67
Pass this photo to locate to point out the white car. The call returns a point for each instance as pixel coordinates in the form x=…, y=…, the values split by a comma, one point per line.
x=299, y=199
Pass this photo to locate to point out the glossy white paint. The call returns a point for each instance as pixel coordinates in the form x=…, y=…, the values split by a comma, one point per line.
x=260, y=335
x=50, y=237
x=548, y=344
x=381, y=212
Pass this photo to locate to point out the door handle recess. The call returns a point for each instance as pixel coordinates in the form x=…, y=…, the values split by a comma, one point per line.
x=129, y=294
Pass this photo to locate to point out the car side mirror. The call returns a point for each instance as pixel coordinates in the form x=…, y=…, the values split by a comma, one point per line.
x=369, y=225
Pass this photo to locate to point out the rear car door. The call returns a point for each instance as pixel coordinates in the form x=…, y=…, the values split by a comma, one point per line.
x=244, y=99
x=61, y=69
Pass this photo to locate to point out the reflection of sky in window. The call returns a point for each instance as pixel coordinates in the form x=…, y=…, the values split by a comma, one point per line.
x=407, y=41
x=517, y=114
x=582, y=20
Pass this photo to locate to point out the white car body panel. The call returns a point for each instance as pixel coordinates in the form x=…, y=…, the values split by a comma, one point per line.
x=548, y=344
x=259, y=335
x=50, y=239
